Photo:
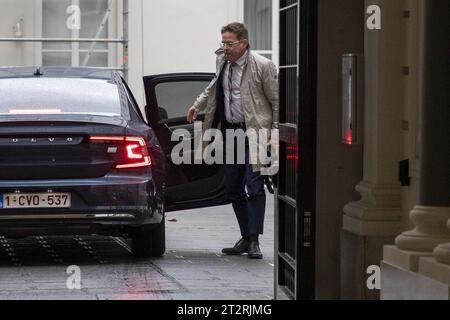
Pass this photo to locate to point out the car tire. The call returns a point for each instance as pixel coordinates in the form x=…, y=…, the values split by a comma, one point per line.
x=149, y=240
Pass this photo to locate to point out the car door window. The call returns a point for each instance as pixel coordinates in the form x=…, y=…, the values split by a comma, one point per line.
x=168, y=97
x=174, y=98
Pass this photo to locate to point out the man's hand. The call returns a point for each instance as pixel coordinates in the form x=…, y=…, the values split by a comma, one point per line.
x=192, y=114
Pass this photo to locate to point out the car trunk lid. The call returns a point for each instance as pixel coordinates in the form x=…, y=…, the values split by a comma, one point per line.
x=56, y=150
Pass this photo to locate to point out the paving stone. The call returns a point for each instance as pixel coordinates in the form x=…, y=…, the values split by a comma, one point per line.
x=193, y=267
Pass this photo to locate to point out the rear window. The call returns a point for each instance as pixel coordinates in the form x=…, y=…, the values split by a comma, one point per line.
x=58, y=96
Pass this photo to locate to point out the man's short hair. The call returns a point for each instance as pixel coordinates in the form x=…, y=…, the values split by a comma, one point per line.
x=239, y=29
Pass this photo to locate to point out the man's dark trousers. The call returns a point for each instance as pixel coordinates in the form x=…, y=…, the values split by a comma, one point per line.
x=249, y=206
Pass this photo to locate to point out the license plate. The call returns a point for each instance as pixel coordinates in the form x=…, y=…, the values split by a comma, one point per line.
x=34, y=200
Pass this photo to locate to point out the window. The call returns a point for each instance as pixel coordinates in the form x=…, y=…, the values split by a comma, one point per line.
x=174, y=98
x=92, y=14
x=258, y=19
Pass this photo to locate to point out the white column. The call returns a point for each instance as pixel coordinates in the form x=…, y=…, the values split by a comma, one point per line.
x=433, y=212
x=430, y=230
x=378, y=212
x=442, y=252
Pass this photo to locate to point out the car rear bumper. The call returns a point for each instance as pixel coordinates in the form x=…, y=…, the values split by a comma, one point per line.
x=111, y=205
x=73, y=224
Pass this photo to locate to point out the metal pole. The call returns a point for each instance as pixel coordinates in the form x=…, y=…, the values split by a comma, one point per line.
x=125, y=36
x=62, y=40
x=99, y=31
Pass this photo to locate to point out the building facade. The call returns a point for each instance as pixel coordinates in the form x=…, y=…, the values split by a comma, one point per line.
x=378, y=210
x=380, y=202
x=152, y=37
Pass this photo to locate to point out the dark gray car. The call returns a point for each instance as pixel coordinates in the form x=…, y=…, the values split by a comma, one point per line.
x=76, y=157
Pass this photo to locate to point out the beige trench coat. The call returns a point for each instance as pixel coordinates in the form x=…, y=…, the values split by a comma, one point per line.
x=259, y=95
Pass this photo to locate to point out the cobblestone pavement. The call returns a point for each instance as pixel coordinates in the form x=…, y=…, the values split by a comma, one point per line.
x=193, y=267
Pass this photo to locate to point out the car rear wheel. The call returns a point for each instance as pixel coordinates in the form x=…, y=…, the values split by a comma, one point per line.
x=149, y=240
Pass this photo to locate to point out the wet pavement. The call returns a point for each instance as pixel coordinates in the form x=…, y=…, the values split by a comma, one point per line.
x=193, y=267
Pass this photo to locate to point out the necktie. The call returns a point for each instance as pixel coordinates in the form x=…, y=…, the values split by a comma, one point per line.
x=230, y=87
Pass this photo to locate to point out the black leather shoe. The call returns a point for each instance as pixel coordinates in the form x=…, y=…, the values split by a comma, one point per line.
x=253, y=250
x=239, y=248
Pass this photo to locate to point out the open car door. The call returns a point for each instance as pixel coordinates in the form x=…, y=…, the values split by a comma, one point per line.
x=188, y=185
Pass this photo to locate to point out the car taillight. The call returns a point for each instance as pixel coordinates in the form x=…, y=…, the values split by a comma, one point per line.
x=135, y=150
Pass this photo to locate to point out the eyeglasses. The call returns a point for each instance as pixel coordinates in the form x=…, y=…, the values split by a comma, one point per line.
x=229, y=44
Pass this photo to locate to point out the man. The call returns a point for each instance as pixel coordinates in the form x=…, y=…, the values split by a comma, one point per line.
x=242, y=96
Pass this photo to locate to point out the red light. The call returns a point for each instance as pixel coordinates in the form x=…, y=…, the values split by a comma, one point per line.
x=137, y=155
x=292, y=155
x=146, y=162
x=349, y=138
x=131, y=154
x=106, y=138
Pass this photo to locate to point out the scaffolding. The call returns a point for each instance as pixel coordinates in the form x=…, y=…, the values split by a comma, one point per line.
x=93, y=41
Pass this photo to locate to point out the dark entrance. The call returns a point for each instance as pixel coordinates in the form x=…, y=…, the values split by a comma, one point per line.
x=296, y=189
